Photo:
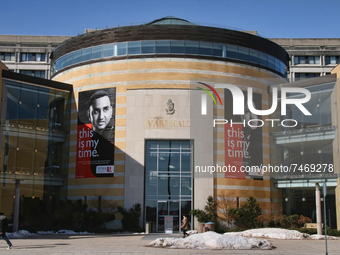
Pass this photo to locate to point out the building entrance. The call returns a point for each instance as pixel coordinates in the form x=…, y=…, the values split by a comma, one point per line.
x=168, y=216
x=168, y=184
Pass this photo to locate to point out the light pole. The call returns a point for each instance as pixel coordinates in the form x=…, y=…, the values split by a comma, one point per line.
x=324, y=212
x=318, y=210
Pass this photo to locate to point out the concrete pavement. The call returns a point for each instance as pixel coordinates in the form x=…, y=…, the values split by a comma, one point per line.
x=128, y=244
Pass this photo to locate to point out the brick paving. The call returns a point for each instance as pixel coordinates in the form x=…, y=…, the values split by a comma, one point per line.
x=128, y=244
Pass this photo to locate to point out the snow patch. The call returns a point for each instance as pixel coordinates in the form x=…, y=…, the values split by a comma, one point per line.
x=322, y=237
x=192, y=232
x=274, y=233
x=212, y=240
x=20, y=234
x=25, y=233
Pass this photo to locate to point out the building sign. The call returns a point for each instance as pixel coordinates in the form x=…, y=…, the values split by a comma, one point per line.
x=166, y=123
x=243, y=143
x=96, y=133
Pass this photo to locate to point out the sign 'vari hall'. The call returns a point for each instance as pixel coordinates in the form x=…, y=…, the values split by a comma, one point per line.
x=152, y=119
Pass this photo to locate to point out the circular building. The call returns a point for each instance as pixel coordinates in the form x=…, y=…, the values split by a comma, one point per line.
x=144, y=129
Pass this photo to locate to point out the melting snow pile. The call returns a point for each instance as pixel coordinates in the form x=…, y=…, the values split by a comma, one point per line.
x=275, y=233
x=25, y=233
x=212, y=240
x=192, y=232
x=322, y=237
x=20, y=234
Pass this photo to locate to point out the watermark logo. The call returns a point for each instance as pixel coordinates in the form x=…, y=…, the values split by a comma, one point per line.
x=204, y=97
x=239, y=104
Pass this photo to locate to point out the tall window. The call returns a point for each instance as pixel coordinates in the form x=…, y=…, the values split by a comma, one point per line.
x=168, y=180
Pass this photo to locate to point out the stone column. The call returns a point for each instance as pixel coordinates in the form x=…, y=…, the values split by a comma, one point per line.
x=318, y=209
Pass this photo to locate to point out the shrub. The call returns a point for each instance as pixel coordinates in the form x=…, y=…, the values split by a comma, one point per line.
x=246, y=215
x=294, y=221
x=209, y=214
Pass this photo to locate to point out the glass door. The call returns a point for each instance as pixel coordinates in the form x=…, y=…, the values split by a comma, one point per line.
x=165, y=210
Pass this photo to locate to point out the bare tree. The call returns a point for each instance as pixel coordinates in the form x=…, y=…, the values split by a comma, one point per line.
x=101, y=204
x=225, y=202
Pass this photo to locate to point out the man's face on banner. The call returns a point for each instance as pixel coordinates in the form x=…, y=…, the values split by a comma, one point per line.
x=100, y=113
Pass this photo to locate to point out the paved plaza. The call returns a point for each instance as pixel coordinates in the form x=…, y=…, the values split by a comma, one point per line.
x=128, y=244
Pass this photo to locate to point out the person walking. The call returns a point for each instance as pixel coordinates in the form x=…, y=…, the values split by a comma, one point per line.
x=3, y=229
x=185, y=226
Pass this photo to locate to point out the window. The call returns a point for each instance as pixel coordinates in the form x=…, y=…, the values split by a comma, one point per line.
x=218, y=50
x=4, y=56
x=191, y=47
x=310, y=60
x=108, y=50
x=254, y=56
x=134, y=48
x=148, y=47
x=168, y=167
x=97, y=52
x=69, y=59
x=120, y=49
x=243, y=53
x=38, y=57
x=232, y=51
x=86, y=54
x=35, y=73
x=263, y=59
x=162, y=47
x=300, y=76
x=205, y=48
x=77, y=56
x=332, y=60
x=271, y=62
x=168, y=182
x=177, y=47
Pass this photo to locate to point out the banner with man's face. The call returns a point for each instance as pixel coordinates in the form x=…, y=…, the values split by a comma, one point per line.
x=96, y=133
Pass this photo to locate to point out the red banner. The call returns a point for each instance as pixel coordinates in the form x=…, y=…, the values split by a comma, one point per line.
x=84, y=151
x=234, y=151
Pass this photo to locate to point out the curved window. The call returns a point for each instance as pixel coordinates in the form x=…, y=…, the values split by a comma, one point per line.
x=162, y=47
x=170, y=47
x=148, y=47
x=177, y=47
x=134, y=48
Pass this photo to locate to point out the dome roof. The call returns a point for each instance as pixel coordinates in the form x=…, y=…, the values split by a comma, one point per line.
x=170, y=20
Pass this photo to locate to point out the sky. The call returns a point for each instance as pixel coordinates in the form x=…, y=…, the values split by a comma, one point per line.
x=270, y=18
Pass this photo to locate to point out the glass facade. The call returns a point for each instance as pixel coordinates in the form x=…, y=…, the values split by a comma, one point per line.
x=301, y=201
x=170, y=47
x=33, y=135
x=308, y=149
x=311, y=140
x=168, y=182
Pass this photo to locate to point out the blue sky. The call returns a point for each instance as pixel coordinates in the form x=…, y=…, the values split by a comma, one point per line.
x=271, y=18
